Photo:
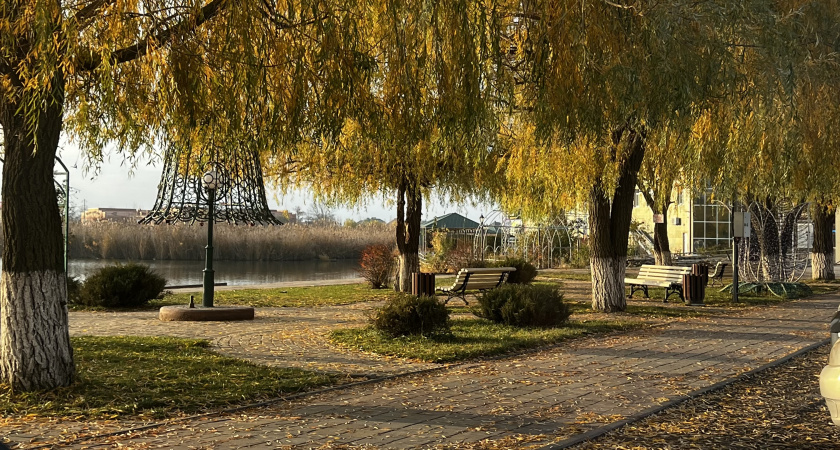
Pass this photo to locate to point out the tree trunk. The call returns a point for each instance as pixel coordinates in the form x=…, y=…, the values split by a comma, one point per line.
x=661, y=246
x=35, y=350
x=659, y=203
x=609, y=228
x=409, y=211
x=822, y=253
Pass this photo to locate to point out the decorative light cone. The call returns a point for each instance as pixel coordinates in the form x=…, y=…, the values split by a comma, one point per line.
x=830, y=383
x=237, y=182
x=210, y=186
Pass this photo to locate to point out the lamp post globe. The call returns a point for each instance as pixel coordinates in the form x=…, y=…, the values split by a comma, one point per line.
x=210, y=180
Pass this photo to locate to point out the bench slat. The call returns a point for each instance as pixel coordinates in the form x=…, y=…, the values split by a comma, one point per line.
x=496, y=270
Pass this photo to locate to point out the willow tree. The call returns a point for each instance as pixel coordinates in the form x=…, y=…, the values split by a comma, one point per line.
x=140, y=75
x=773, y=140
x=593, y=81
x=419, y=123
x=818, y=167
x=816, y=164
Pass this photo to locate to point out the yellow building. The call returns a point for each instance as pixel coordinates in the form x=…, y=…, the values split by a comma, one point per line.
x=694, y=224
x=113, y=215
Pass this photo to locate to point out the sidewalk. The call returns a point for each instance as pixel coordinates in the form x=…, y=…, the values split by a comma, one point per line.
x=533, y=399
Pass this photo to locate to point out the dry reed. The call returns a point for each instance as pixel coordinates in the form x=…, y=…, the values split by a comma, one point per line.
x=110, y=240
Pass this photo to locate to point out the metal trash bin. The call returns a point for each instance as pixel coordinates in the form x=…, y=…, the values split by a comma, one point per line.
x=702, y=270
x=694, y=289
x=423, y=284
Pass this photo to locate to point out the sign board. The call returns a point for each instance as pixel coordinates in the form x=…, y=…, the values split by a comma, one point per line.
x=659, y=218
x=741, y=225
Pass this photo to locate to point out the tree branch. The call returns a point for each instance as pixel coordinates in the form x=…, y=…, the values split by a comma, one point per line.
x=140, y=49
x=83, y=16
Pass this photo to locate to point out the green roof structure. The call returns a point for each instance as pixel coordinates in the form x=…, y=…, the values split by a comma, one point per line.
x=449, y=221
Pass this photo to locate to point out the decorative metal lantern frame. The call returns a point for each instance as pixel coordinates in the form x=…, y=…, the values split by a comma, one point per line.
x=239, y=194
x=211, y=187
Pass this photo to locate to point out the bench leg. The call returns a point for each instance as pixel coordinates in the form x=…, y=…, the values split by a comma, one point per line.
x=673, y=290
x=636, y=287
x=462, y=295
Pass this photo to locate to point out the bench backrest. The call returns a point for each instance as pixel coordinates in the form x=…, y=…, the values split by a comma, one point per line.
x=481, y=278
x=671, y=274
x=719, y=268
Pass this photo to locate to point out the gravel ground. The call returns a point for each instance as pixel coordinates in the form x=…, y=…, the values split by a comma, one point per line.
x=778, y=408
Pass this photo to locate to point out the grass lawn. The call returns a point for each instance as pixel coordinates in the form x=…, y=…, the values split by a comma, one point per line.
x=152, y=377
x=471, y=338
x=714, y=296
x=560, y=276
x=341, y=294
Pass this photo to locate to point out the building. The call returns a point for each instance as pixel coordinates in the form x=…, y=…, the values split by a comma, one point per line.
x=451, y=221
x=694, y=223
x=456, y=226
x=91, y=215
x=284, y=216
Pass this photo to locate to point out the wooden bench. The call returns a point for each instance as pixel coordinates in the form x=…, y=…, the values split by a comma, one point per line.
x=717, y=276
x=669, y=277
x=482, y=279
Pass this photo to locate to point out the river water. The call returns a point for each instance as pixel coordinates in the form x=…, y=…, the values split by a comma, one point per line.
x=234, y=273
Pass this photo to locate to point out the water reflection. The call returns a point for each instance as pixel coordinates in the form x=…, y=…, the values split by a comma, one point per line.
x=235, y=273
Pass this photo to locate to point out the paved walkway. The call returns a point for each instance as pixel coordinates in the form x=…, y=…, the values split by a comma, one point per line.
x=279, y=337
x=532, y=399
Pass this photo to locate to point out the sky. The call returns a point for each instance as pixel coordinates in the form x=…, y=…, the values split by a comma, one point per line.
x=117, y=185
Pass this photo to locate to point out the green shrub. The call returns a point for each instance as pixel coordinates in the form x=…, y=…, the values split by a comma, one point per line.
x=525, y=271
x=406, y=314
x=121, y=286
x=524, y=306
x=377, y=264
x=580, y=257
x=74, y=289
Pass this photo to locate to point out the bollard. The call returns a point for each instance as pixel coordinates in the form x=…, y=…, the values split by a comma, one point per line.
x=834, y=327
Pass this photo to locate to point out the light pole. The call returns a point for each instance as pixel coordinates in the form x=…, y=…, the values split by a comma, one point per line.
x=66, y=212
x=210, y=181
x=483, y=236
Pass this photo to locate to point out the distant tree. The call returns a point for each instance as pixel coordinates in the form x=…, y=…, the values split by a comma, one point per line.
x=662, y=167
x=372, y=221
x=320, y=214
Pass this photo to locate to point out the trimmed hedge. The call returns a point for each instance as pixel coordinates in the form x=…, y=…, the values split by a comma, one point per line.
x=525, y=271
x=121, y=286
x=406, y=315
x=524, y=306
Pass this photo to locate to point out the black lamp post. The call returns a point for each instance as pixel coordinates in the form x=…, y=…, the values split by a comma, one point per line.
x=210, y=181
x=483, y=236
x=66, y=211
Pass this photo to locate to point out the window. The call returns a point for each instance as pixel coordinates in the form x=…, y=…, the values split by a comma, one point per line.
x=711, y=223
